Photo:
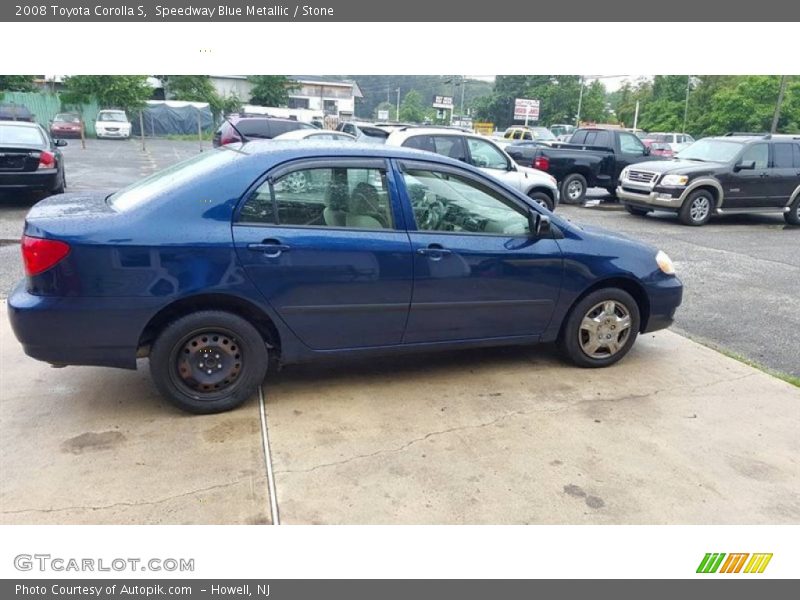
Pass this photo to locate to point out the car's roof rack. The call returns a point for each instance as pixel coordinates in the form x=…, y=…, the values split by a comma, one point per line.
x=763, y=134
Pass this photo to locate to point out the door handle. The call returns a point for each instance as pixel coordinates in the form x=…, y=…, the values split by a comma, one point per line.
x=434, y=252
x=269, y=248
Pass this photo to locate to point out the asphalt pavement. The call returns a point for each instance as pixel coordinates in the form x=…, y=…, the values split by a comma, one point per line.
x=742, y=273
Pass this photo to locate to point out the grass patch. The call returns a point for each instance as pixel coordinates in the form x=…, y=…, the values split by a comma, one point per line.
x=795, y=381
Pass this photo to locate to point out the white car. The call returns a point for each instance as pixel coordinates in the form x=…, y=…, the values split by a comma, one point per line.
x=676, y=141
x=483, y=153
x=112, y=124
x=318, y=135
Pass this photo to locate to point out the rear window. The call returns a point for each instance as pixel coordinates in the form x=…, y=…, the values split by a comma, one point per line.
x=173, y=177
x=279, y=127
x=255, y=128
x=25, y=136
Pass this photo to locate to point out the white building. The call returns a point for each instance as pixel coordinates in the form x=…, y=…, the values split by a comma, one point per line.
x=335, y=99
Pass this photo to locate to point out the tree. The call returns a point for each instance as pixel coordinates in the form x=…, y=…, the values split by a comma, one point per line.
x=270, y=90
x=593, y=107
x=16, y=83
x=198, y=88
x=127, y=92
x=411, y=108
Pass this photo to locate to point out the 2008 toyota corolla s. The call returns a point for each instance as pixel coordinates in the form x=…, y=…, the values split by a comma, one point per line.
x=291, y=252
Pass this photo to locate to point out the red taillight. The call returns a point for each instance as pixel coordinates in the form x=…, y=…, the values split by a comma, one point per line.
x=229, y=138
x=542, y=163
x=39, y=254
x=47, y=160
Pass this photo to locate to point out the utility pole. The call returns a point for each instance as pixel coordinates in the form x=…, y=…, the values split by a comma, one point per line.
x=777, y=116
x=636, y=116
x=580, y=104
x=463, y=85
x=397, y=114
x=686, y=104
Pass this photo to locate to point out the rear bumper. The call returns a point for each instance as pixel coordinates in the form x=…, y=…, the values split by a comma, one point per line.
x=44, y=180
x=79, y=331
x=665, y=296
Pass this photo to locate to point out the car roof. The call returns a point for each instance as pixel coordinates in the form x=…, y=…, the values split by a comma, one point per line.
x=301, y=134
x=28, y=124
x=404, y=134
x=281, y=151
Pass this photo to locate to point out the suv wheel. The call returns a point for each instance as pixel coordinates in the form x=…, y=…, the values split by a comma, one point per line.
x=697, y=208
x=542, y=199
x=793, y=216
x=208, y=361
x=601, y=328
x=573, y=188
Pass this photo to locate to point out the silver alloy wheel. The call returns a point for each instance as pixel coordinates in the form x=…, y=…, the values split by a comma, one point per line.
x=574, y=190
x=541, y=203
x=295, y=182
x=604, y=329
x=700, y=208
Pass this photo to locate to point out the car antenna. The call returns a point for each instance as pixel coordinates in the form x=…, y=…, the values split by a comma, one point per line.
x=236, y=129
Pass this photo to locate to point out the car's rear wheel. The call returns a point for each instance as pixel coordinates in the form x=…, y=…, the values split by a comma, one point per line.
x=208, y=361
x=697, y=208
x=573, y=188
x=793, y=216
x=601, y=328
x=635, y=210
x=542, y=199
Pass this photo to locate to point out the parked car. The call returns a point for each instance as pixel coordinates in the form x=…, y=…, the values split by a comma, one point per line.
x=483, y=153
x=66, y=125
x=398, y=251
x=560, y=129
x=719, y=176
x=368, y=133
x=316, y=135
x=112, y=124
x=519, y=132
x=676, y=141
x=593, y=158
x=30, y=160
x=263, y=128
x=661, y=149
x=15, y=112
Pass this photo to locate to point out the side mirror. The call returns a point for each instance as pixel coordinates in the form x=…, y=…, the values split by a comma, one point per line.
x=538, y=224
x=60, y=142
x=745, y=166
x=646, y=151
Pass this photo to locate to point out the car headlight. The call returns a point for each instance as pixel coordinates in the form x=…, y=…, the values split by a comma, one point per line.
x=665, y=263
x=674, y=180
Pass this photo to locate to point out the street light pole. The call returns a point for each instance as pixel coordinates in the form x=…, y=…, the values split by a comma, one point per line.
x=397, y=113
x=777, y=115
x=686, y=105
x=580, y=104
x=463, y=85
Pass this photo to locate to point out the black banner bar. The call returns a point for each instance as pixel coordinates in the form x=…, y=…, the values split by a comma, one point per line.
x=675, y=11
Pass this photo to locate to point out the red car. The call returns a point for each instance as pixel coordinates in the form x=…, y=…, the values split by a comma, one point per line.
x=66, y=125
x=661, y=149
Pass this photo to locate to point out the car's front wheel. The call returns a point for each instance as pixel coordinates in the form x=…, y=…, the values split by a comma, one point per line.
x=601, y=328
x=697, y=208
x=208, y=361
x=542, y=199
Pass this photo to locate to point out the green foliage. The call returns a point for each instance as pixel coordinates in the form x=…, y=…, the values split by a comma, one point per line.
x=128, y=92
x=16, y=83
x=412, y=109
x=270, y=90
x=198, y=88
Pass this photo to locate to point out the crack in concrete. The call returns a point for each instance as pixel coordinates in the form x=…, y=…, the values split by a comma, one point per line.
x=496, y=420
x=118, y=504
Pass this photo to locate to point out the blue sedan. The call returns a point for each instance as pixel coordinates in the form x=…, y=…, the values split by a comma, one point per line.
x=278, y=252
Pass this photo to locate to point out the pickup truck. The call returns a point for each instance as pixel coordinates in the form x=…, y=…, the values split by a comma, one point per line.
x=592, y=158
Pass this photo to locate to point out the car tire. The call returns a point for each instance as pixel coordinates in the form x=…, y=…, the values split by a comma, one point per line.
x=62, y=186
x=226, y=345
x=697, y=208
x=542, y=199
x=601, y=328
x=793, y=216
x=635, y=210
x=573, y=188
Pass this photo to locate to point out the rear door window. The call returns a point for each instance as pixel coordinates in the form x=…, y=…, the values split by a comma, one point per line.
x=783, y=156
x=420, y=142
x=452, y=146
x=797, y=155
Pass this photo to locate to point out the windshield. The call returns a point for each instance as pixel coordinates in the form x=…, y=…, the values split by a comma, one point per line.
x=542, y=133
x=117, y=116
x=23, y=136
x=711, y=150
x=66, y=118
x=170, y=178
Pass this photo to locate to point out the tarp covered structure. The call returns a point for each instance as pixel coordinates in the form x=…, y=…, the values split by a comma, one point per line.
x=172, y=117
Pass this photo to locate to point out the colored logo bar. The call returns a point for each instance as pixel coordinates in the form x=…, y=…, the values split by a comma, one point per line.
x=716, y=562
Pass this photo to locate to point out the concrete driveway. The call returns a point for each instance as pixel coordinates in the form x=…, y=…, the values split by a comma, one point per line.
x=676, y=433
